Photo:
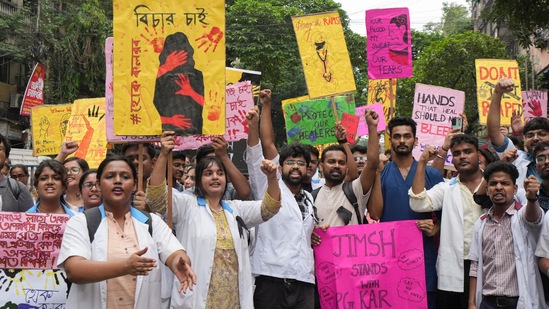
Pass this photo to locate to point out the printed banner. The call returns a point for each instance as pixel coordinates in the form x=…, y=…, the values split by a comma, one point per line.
x=49, y=125
x=389, y=40
x=233, y=76
x=312, y=122
x=434, y=108
x=324, y=54
x=371, y=266
x=87, y=127
x=239, y=101
x=362, y=126
x=31, y=244
x=34, y=94
x=489, y=72
x=534, y=104
x=169, y=60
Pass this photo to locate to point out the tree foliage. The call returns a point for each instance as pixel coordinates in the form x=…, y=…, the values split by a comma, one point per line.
x=455, y=19
x=527, y=19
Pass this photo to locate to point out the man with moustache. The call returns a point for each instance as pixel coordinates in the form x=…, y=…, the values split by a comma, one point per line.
x=390, y=200
x=282, y=262
x=504, y=270
x=333, y=207
x=459, y=214
x=535, y=131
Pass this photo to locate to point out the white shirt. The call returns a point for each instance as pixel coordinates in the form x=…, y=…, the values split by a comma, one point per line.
x=76, y=242
x=196, y=230
x=283, y=244
x=446, y=196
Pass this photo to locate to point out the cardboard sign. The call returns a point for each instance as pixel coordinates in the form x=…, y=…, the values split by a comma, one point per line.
x=49, y=126
x=350, y=123
x=362, y=126
x=312, y=122
x=434, y=108
x=371, y=266
x=489, y=72
x=324, y=54
x=383, y=91
x=389, y=43
x=534, y=104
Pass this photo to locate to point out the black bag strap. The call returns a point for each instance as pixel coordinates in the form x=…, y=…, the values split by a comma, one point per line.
x=351, y=197
x=93, y=219
x=15, y=192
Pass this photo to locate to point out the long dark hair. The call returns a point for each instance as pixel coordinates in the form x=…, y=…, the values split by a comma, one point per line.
x=200, y=168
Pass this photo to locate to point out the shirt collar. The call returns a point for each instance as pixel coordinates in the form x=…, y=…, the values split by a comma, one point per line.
x=202, y=202
x=138, y=215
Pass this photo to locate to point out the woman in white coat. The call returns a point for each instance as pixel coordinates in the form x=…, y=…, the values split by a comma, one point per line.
x=119, y=267
x=214, y=231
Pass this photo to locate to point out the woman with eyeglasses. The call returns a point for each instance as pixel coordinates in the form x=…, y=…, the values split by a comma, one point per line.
x=74, y=167
x=214, y=231
x=50, y=180
x=21, y=173
x=89, y=190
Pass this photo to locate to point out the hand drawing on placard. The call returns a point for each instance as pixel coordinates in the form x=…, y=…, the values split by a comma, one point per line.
x=44, y=126
x=399, y=34
x=179, y=91
x=322, y=49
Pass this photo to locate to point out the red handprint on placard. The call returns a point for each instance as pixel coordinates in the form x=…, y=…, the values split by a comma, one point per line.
x=210, y=39
x=157, y=41
x=187, y=89
x=242, y=119
x=214, y=109
x=177, y=120
x=175, y=59
x=535, y=107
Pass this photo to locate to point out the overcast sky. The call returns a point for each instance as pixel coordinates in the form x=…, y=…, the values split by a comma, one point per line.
x=421, y=11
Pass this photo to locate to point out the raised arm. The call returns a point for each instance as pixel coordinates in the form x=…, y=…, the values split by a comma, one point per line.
x=440, y=158
x=341, y=136
x=156, y=189
x=368, y=174
x=533, y=210
x=493, y=123
x=252, y=118
x=266, y=131
x=240, y=183
x=375, y=203
x=67, y=148
x=418, y=185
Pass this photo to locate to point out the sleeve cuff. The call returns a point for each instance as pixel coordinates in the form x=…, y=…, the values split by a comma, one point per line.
x=269, y=207
x=421, y=195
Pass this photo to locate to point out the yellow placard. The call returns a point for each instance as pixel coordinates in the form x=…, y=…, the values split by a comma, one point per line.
x=87, y=127
x=324, y=54
x=169, y=67
x=49, y=125
x=489, y=72
x=383, y=91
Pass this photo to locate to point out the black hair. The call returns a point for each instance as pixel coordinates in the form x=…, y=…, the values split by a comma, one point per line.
x=464, y=139
x=179, y=155
x=333, y=148
x=83, y=178
x=56, y=167
x=203, y=152
x=313, y=150
x=518, y=142
x=21, y=166
x=401, y=20
x=402, y=121
x=148, y=147
x=200, y=168
x=537, y=123
x=359, y=148
x=294, y=150
x=7, y=145
x=501, y=166
x=81, y=162
x=539, y=147
x=113, y=158
x=489, y=155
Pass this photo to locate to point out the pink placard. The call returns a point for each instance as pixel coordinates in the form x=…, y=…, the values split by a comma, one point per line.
x=434, y=108
x=31, y=240
x=362, y=126
x=389, y=43
x=534, y=104
x=350, y=123
x=371, y=266
x=239, y=100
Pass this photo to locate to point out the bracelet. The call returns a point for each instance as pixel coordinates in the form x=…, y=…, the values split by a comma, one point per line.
x=439, y=156
x=441, y=147
x=342, y=141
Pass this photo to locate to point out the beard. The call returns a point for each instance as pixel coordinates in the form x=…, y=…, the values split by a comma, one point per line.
x=293, y=181
x=335, y=179
x=403, y=152
x=544, y=175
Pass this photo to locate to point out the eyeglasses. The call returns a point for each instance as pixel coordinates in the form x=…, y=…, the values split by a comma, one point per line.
x=539, y=133
x=89, y=185
x=361, y=159
x=20, y=176
x=73, y=170
x=541, y=159
x=293, y=162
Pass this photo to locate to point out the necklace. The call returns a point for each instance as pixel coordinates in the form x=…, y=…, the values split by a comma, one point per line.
x=55, y=211
x=211, y=208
